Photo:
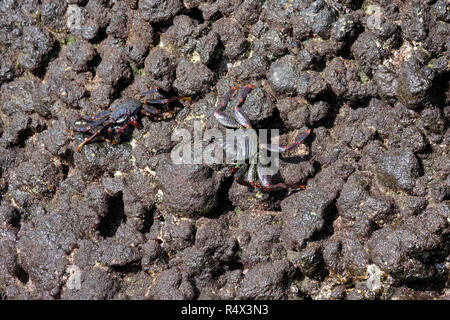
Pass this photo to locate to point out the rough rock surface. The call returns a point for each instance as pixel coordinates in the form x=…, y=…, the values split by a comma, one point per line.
x=370, y=78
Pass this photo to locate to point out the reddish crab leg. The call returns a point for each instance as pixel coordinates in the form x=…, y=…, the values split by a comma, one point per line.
x=239, y=176
x=276, y=148
x=92, y=137
x=152, y=112
x=221, y=106
x=222, y=117
x=241, y=117
x=266, y=184
x=165, y=101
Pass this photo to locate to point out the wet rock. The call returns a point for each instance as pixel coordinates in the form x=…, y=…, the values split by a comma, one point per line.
x=182, y=34
x=96, y=158
x=35, y=179
x=199, y=265
x=271, y=44
x=139, y=40
x=163, y=130
x=116, y=254
x=398, y=168
x=160, y=10
x=192, y=78
x=25, y=96
x=310, y=261
x=171, y=284
x=413, y=85
x=415, y=17
x=257, y=106
x=304, y=215
x=63, y=83
x=243, y=198
x=277, y=15
x=294, y=112
x=310, y=84
x=95, y=284
x=7, y=68
x=410, y=205
x=177, y=235
x=212, y=237
x=359, y=206
x=319, y=111
x=231, y=279
x=135, y=287
x=42, y=257
x=207, y=47
x=259, y=235
x=124, y=222
x=316, y=19
x=345, y=256
x=361, y=292
x=117, y=26
x=344, y=28
x=283, y=75
x=380, y=20
x=113, y=68
x=405, y=251
x=8, y=263
x=368, y=51
x=346, y=80
x=152, y=255
x=387, y=82
x=53, y=14
x=441, y=10
x=265, y=281
x=86, y=254
x=37, y=44
x=199, y=191
x=231, y=36
x=161, y=66
x=80, y=53
x=248, y=12
x=254, y=67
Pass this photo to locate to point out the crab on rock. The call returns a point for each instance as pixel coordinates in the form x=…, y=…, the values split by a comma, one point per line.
x=115, y=122
x=251, y=173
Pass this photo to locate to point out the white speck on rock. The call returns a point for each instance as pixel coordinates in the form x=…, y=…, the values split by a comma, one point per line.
x=374, y=280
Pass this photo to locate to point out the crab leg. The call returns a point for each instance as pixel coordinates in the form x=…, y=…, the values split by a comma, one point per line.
x=158, y=101
x=92, y=137
x=165, y=101
x=89, y=127
x=251, y=174
x=148, y=92
x=222, y=117
x=276, y=148
x=151, y=111
x=239, y=176
x=241, y=117
x=266, y=184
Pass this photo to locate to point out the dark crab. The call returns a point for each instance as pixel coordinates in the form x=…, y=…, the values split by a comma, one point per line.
x=251, y=173
x=115, y=122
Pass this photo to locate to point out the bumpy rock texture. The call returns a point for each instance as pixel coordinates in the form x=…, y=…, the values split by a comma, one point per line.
x=124, y=222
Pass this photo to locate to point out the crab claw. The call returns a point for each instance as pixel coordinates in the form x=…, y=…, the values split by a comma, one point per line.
x=277, y=148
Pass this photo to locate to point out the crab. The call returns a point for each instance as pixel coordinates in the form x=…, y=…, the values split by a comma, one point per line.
x=251, y=173
x=115, y=122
